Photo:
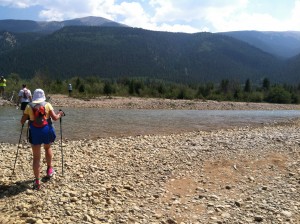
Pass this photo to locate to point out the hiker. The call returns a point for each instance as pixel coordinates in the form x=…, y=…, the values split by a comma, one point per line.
x=2, y=85
x=41, y=132
x=70, y=89
x=25, y=97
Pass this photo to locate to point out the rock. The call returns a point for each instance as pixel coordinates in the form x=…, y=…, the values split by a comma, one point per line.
x=175, y=178
x=258, y=219
x=31, y=220
x=226, y=215
x=87, y=218
x=251, y=178
x=286, y=214
x=238, y=203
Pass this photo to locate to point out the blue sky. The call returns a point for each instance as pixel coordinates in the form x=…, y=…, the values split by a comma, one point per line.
x=188, y=16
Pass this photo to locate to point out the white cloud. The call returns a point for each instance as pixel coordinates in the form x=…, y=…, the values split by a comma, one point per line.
x=18, y=3
x=136, y=16
x=179, y=28
x=133, y=14
x=67, y=9
x=194, y=15
x=244, y=21
x=295, y=17
x=102, y=8
x=173, y=15
x=238, y=17
x=164, y=10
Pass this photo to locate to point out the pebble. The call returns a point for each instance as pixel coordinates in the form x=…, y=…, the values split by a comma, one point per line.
x=239, y=175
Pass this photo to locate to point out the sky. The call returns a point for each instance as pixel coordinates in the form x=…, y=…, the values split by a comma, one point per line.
x=188, y=16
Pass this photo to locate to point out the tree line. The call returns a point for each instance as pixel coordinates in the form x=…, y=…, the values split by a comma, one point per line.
x=226, y=90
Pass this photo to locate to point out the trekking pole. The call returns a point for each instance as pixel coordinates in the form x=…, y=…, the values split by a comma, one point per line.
x=61, y=149
x=18, y=149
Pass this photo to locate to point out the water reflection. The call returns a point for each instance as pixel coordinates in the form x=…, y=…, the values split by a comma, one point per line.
x=92, y=123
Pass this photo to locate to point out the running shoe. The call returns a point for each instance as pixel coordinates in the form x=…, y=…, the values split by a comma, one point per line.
x=50, y=171
x=36, y=184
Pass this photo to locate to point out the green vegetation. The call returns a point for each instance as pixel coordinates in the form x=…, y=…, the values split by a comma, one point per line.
x=226, y=90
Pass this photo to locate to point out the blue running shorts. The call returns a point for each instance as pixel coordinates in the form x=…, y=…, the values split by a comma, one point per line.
x=45, y=135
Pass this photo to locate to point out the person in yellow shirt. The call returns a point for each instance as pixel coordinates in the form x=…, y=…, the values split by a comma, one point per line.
x=41, y=114
x=2, y=85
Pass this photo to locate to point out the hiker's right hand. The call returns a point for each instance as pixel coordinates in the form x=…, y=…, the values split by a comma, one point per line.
x=62, y=113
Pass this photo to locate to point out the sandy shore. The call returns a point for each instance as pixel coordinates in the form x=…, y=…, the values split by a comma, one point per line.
x=241, y=175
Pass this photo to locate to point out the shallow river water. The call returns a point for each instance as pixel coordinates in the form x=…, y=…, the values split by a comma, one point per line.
x=92, y=123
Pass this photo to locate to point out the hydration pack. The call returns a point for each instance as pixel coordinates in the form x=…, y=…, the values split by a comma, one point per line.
x=39, y=113
x=25, y=93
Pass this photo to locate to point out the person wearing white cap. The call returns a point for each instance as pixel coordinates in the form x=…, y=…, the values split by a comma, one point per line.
x=40, y=114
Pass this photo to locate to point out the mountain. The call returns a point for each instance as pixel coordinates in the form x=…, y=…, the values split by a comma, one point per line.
x=97, y=46
x=10, y=41
x=113, y=52
x=24, y=26
x=293, y=69
x=282, y=44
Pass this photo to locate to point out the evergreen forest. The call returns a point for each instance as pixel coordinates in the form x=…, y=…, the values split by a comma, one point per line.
x=226, y=90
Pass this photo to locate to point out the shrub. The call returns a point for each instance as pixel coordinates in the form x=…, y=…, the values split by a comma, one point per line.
x=278, y=94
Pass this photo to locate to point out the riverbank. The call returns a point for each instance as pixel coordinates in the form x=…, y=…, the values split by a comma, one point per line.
x=241, y=175
x=157, y=103
x=58, y=100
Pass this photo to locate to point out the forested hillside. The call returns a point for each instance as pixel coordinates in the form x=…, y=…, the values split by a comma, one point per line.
x=113, y=52
x=293, y=69
x=10, y=41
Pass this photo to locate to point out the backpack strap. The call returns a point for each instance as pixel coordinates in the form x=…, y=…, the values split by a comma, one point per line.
x=34, y=104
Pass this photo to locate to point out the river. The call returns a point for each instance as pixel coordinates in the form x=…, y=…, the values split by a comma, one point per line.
x=93, y=123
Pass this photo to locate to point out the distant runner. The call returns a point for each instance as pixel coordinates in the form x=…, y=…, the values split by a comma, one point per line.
x=70, y=89
x=2, y=85
x=25, y=97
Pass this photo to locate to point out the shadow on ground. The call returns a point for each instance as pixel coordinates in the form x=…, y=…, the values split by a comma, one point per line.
x=14, y=188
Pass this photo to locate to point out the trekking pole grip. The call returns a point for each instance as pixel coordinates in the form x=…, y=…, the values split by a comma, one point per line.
x=63, y=112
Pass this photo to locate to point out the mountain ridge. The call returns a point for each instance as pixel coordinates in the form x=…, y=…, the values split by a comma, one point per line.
x=284, y=44
x=97, y=46
x=118, y=52
x=20, y=26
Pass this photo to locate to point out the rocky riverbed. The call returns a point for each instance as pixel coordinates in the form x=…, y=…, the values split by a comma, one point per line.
x=58, y=100
x=157, y=103
x=240, y=175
